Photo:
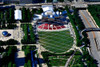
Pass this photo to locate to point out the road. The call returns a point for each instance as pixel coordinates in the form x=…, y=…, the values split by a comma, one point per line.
x=93, y=35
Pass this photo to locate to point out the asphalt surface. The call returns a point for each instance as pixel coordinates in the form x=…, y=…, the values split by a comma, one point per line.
x=93, y=35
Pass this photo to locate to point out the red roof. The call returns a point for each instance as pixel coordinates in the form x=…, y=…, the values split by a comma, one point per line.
x=50, y=26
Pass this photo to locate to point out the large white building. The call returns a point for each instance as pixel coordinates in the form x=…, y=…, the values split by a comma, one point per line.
x=18, y=14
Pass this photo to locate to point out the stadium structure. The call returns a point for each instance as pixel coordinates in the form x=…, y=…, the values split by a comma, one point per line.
x=53, y=30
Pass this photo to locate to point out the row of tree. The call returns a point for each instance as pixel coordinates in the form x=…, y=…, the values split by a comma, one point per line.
x=29, y=37
x=26, y=15
x=8, y=42
x=7, y=19
x=7, y=15
x=8, y=58
x=72, y=20
x=27, y=50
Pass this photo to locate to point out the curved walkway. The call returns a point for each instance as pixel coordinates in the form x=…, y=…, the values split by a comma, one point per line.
x=66, y=65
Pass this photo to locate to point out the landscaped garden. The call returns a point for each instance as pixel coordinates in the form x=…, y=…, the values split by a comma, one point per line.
x=56, y=59
x=57, y=42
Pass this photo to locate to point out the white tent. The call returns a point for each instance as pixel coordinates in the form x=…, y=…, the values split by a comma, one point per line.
x=37, y=16
x=57, y=12
x=18, y=14
x=47, y=8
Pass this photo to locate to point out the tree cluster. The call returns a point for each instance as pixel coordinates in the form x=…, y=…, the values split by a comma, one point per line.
x=8, y=57
x=89, y=60
x=7, y=19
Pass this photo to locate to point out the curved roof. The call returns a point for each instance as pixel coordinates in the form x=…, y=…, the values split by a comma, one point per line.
x=4, y=33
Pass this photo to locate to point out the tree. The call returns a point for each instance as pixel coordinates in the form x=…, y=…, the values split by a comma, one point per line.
x=10, y=64
x=24, y=14
x=14, y=65
x=28, y=15
x=29, y=63
x=25, y=65
x=2, y=43
x=11, y=14
x=6, y=16
x=11, y=42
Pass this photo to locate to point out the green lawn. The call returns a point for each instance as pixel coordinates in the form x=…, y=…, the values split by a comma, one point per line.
x=57, y=42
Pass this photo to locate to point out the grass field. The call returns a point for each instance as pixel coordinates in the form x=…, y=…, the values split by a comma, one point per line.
x=57, y=42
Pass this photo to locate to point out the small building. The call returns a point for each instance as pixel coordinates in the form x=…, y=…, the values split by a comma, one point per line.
x=18, y=14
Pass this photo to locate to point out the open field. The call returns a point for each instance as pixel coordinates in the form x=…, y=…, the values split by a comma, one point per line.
x=57, y=42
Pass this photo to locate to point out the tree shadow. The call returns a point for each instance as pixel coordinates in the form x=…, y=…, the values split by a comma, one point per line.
x=41, y=60
x=19, y=61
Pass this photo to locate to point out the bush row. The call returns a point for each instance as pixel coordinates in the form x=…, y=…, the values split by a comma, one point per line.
x=8, y=42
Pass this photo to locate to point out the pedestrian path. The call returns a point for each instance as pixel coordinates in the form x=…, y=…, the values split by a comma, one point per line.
x=20, y=59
